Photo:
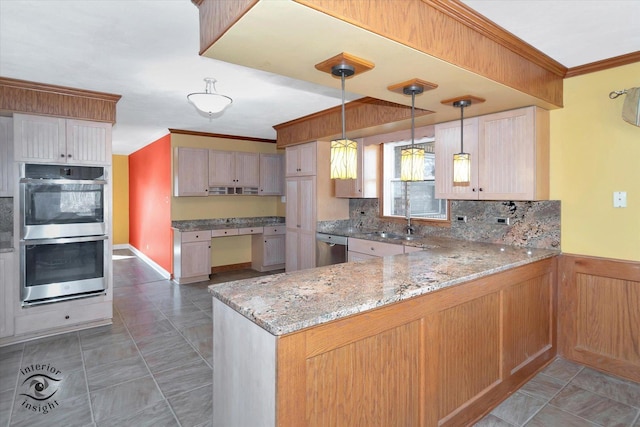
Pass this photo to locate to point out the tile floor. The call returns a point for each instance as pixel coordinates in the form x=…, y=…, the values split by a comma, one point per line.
x=152, y=367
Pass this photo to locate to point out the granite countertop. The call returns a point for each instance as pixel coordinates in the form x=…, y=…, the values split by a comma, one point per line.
x=288, y=302
x=226, y=223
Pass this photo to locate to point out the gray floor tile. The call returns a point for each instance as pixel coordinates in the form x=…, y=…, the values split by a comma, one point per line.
x=110, y=353
x=562, y=369
x=9, y=369
x=67, y=412
x=593, y=407
x=518, y=408
x=159, y=342
x=184, y=378
x=612, y=387
x=157, y=415
x=551, y=416
x=11, y=349
x=194, y=407
x=107, y=375
x=150, y=330
x=142, y=317
x=169, y=358
x=107, y=337
x=542, y=386
x=124, y=399
x=50, y=348
x=187, y=320
x=492, y=421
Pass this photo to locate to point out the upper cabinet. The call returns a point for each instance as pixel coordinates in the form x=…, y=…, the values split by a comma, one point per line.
x=43, y=139
x=233, y=169
x=271, y=174
x=301, y=160
x=6, y=157
x=366, y=184
x=190, y=171
x=509, y=155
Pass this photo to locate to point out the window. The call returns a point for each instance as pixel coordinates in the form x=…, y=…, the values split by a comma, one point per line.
x=421, y=199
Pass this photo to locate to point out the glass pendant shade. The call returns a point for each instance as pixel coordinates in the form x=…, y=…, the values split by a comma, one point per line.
x=412, y=164
x=462, y=169
x=344, y=159
x=209, y=102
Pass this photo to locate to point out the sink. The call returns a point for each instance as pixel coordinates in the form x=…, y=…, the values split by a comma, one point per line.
x=391, y=235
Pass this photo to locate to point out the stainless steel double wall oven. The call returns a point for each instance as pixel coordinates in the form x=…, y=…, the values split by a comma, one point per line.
x=63, y=246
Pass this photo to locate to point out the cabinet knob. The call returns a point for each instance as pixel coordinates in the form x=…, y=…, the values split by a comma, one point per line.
x=480, y=189
x=372, y=249
x=197, y=236
x=66, y=317
x=69, y=155
x=61, y=155
x=473, y=189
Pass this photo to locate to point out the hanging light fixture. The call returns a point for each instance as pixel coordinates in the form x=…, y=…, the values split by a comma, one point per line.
x=209, y=102
x=344, y=152
x=462, y=160
x=412, y=157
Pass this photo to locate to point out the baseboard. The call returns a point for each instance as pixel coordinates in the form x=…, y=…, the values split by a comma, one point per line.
x=121, y=246
x=230, y=267
x=165, y=274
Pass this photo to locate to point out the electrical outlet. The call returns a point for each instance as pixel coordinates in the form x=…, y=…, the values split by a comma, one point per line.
x=502, y=221
x=461, y=218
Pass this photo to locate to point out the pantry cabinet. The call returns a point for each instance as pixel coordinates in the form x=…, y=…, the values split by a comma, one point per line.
x=190, y=170
x=301, y=160
x=509, y=155
x=44, y=139
x=6, y=157
x=7, y=286
x=233, y=169
x=271, y=174
x=192, y=256
x=365, y=186
x=301, y=223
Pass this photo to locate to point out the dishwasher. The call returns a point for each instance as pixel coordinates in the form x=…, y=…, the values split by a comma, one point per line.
x=330, y=249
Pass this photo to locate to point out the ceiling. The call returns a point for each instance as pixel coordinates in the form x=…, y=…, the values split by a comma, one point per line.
x=148, y=53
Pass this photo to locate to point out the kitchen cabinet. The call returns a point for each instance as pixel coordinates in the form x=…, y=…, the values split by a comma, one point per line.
x=271, y=174
x=268, y=249
x=234, y=169
x=366, y=184
x=509, y=156
x=301, y=159
x=6, y=157
x=190, y=170
x=300, y=223
x=7, y=287
x=44, y=139
x=360, y=249
x=192, y=256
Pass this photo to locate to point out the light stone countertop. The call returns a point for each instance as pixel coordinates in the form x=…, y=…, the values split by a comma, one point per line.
x=226, y=223
x=288, y=302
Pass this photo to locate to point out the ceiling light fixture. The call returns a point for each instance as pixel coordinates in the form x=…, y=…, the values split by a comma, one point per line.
x=412, y=157
x=462, y=160
x=344, y=152
x=209, y=102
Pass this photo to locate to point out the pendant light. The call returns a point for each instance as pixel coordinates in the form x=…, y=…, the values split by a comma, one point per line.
x=462, y=160
x=209, y=102
x=412, y=157
x=344, y=152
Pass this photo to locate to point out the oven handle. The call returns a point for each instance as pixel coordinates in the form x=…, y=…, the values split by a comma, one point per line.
x=62, y=181
x=62, y=240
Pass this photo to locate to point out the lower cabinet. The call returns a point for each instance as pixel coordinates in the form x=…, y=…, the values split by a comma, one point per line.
x=192, y=256
x=268, y=249
x=360, y=249
x=63, y=315
x=7, y=286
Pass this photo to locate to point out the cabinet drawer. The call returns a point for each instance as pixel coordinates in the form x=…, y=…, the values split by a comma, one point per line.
x=195, y=236
x=69, y=316
x=250, y=230
x=375, y=248
x=274, y=230
x=357, y=256
x=225, y=232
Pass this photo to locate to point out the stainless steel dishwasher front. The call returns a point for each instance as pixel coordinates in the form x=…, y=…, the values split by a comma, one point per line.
x=330, y=249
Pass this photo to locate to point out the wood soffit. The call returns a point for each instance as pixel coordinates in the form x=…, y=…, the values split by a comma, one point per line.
x=219, y=135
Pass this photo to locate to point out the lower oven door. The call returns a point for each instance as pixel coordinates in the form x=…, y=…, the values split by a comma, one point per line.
x=60, y=269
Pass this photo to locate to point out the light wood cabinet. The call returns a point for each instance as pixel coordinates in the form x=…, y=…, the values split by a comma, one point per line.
x=301, y=222
x=192, y=256
x=268, y=249
x=7, y=287
x=233, y=169
x=301, y=159
x=42, y=139
x=271, y=174
x=372, y=248
x=6, y=157
x=366, y=184
x=190, y=169
x=509, y=154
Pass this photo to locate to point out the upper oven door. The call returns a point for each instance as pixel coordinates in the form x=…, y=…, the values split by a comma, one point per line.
x=52, y=207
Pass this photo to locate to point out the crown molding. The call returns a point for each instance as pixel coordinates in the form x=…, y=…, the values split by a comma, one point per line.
x=604, y=64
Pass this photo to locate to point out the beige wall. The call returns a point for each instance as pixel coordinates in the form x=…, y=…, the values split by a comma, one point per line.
x=120, y=185
x=594, y=153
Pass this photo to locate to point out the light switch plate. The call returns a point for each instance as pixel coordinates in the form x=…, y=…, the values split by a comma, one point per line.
x=619, y=199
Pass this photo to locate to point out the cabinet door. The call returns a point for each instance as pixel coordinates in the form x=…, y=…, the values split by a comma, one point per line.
x=507, y=155
x=271, y=174
x=292, y=242
x=366, y=184
x=274, y=250
x=446, y=145
x=196, y=259
x=6, y=157
x=7, y=286
x=307, y=250
x=222, y=170
x=88, y=143
x=190, y=174
x=39, y=139
x=247, y=169
x=307, y=203
x=301, y=160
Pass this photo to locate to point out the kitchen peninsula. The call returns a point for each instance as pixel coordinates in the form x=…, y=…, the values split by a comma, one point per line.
x=435, y=337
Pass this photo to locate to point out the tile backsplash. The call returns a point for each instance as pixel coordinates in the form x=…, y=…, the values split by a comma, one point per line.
x=531, y=224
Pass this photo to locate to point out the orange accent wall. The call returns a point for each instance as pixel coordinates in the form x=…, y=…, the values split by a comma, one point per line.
x=150, y=201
